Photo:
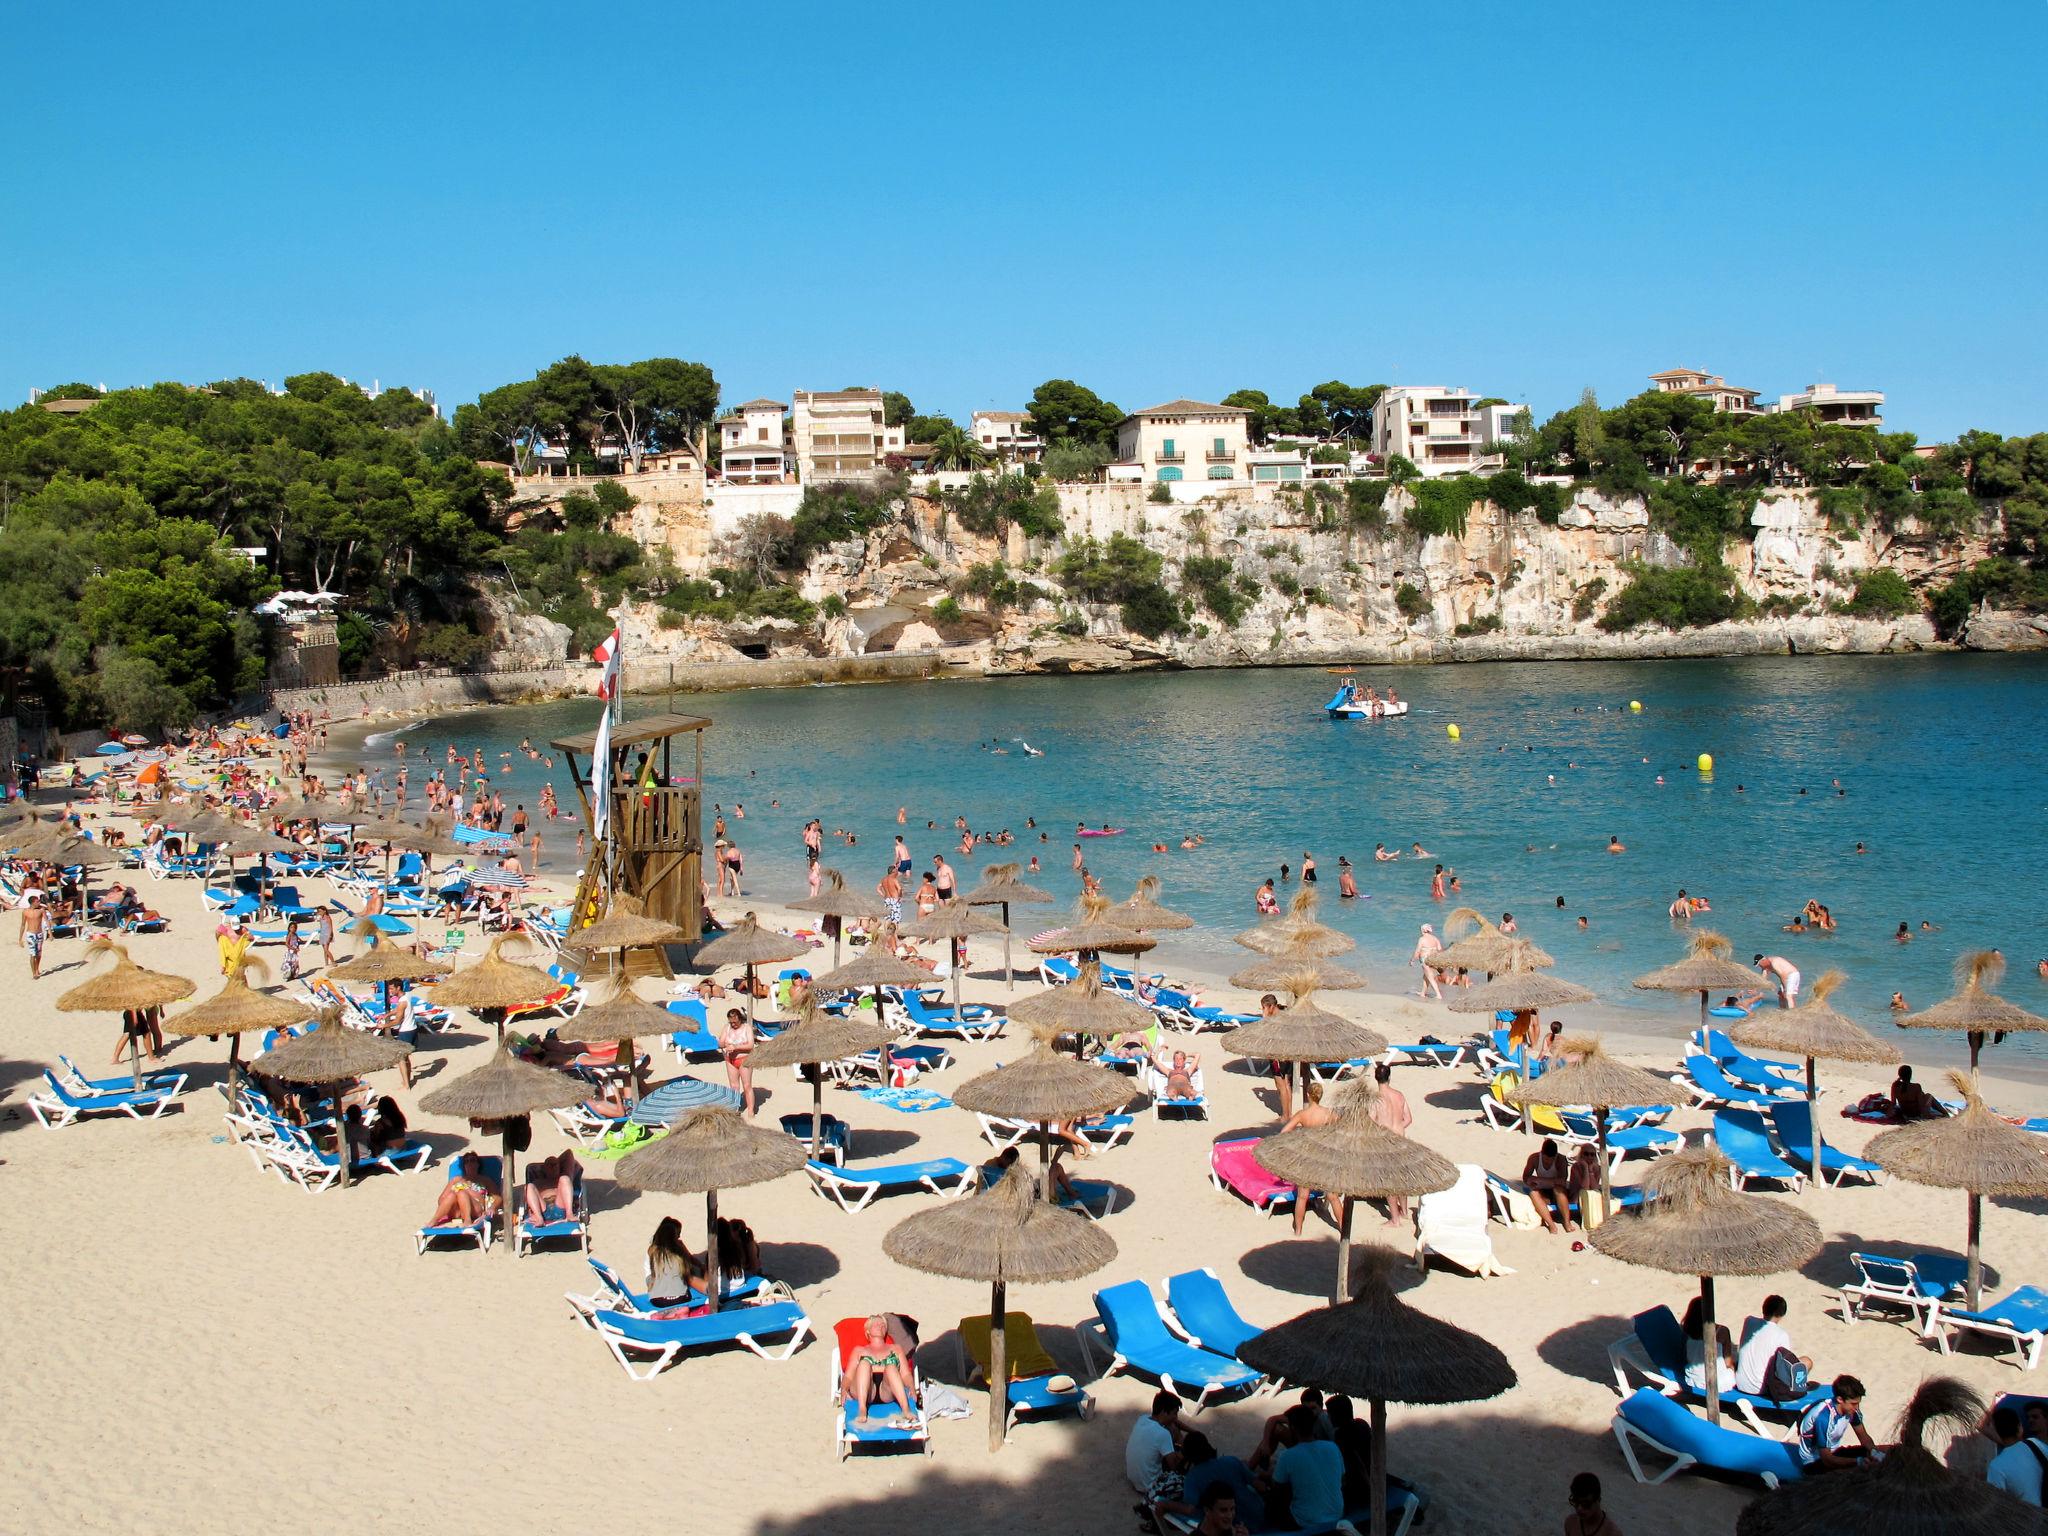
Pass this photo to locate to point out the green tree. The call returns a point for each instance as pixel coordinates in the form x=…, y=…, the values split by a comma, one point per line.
x=1063, y=411
x=896, y=410
x=924, y=429
x=1072, y=463
x=653, y=405
x=955, y=449
x=1347, y=408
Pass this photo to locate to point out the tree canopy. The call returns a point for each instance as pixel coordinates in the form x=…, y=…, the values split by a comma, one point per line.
x=1062, y=411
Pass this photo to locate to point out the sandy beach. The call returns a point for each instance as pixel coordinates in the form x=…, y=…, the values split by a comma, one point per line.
x=198, y=1347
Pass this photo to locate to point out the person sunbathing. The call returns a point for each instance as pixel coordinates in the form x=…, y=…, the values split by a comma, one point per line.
x=877, y=1371
x=551, y=1188
x=999, y=1165
x=468, y=1197
x=1178, y=1072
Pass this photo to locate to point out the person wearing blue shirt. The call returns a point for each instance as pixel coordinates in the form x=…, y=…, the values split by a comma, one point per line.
x=1826, y=1428
x=1205, y=1468
x=1311, y=1470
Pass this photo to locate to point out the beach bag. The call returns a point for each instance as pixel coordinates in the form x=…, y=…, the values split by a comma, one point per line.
x=1784, y=1377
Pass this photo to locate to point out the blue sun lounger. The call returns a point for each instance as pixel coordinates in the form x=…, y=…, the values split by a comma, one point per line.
x=1745, y=1141
x=1204, y=1313
x=972, y=1022
x=627, y=1334
x=1135, y=1334
x=1648, y=1418
x=61, y=1107
x=572, y=1226
x=1794, y=1121
x=155, y=1077
x=835, y=1136
x=2020, y=1317
x=1711, y=1086
x=695, y=1038
x=1439, y=1055
x=1655, y=1352
x=480, y=1231
x=621, y=1297
x=1916, y=1284
x=854, y=1189
x=1765, y=1073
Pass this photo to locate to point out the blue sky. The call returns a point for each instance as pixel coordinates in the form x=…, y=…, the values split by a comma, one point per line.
x=959, y=202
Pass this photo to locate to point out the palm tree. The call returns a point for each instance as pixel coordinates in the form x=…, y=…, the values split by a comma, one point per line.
x=954, y=448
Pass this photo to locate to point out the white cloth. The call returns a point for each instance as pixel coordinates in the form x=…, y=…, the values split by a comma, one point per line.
x=1696, y=1364
x=1760, y=1341
x=1150, y=1444
x=1452, y=1224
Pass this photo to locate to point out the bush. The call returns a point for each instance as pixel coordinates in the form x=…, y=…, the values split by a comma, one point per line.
x=1070, y=461
x=1441, y=506
x=1686, y=597
x=1209, y=578
x=994, y=585
x=1409, y=601
x=1365, y=502
x=946, y=611
x=834, y=607
x=831, y=513
x=1316, y=597
x=1697, y=518
x=1286, y=583
x=450, y=645
x=1490, y=624
x=1151, y=612
x=1159, y=495
x=1587, y=598
x=989, y=504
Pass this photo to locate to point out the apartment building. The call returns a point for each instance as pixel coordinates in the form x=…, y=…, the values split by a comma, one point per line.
x=1437, y=429
x=1007, y=435
x=753, y=446
x=1183, y=440
x=1838, y=407
x=1496, y=424
x=1731, y=399
x=840, y=434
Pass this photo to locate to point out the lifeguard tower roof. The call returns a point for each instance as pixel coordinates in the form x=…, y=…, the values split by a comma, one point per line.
x=633, y=732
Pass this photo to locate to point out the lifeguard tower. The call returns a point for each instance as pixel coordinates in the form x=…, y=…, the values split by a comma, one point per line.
x=653, y=851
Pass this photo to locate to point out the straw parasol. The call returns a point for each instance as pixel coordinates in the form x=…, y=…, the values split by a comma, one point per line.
x=1000, y=887
x=746, y=943
x=877, y=968
x=1281, y=971
x=1298, y=932
x=495, y=984
x=624, y=1017
x=1144, y=913
x=1355, y=1157
x=618, y=931
x=1974, y=1008
x=1045, y=1088
x=1484, y=948
x=1706, y=969
x=124, y=988
x=1081, y=1007
x=1972, y=1150
x=1095, y=933
x=1005, y=1237
x=835, y=901
x=383, y=962
x=505, y=1089
x=1303, y=1032
x=1588, y=1075
x=955, y=922
x=1520, y=985
x=53, y=845
x=1379, y=1348
x=708, y=1150
x=1912, y=1492
x=1814, y=1029
x=330, y=1055
x=238, y=1009
x=1694, y=1223
x=816, y=1038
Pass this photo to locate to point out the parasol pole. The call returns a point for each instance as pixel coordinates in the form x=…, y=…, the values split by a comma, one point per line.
x=1344, y=1206
x=1975, y=1285
x=998, y=1369
x=1009, y=976
x=1711, y=1349
x=1813, y=1115
x=507, y=1221
x=1703, y=1016
x=816, y=1071
x=1600, y=1113
x=342, y=1154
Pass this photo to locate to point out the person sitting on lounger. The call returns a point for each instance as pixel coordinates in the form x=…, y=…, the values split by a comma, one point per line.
x=1826, y=1430
x=877, y=1371
x=551, y=1188
x=739, y=1256
x=1547, y=1175
x=1694, y=1326
x=671, y=1268
x=1201, y=1469
x=1178, y=1071
x=996, y=1167
x=469, y=1197
x=1912, y=1102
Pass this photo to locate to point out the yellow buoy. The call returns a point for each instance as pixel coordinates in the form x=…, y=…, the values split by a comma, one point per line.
x=1451, y=731
x=1635, y=706
x=1706, y=762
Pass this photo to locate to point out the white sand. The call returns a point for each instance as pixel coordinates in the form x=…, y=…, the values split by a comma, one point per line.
x=195, y=1346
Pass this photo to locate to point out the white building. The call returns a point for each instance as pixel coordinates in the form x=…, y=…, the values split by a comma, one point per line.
x=1730, y=399
x=1007, y=435
x=1436, y=429
x=1838, y=407
x=1183, y=440
x=840, y=434
x=753, y=445
x=1496, y=424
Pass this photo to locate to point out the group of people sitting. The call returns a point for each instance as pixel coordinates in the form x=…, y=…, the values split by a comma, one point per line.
x=547, y=1193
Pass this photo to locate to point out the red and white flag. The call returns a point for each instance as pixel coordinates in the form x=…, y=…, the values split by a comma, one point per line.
x=607, y=652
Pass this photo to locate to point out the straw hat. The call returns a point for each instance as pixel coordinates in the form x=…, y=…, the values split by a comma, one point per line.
x=1298, y=932
x=620, y=1015
x=710, y=1149
x=835, y=900
x=1303, y=1032
x=874, y=967
x=495, y=982
x=746, y=942
x=1082, y=1008
x=1589, y=1076
x=382, y=962
x=1518, y=984
x=1044, y=1085
x=1143, y=911
x=1910, y=1493
x=817, y=1037
x=503, y=1087
x=1355, y=1155
x=1705, y=968
x=1973, y=1150
x=952, y=920
x=1814, y=1028
x=1378, y=1347
x=1001, y=1235
x=1094, y=931
x=1694, y=1224
x=123, y=986
x=330, y=1054
x=237, y=1008
x=1974, y=1008
x=1283, y=971
x=623, y=930
x=1001, y=887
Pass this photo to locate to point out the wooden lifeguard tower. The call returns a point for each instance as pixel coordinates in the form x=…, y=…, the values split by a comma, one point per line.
x=652, y=853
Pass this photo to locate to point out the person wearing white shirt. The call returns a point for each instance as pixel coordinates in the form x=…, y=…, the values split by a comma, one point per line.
x=2019, y=1466
x=1763, y=1337
x=1153, y=1439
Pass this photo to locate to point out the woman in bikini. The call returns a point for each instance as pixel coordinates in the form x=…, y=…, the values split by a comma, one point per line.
x=877, y=1372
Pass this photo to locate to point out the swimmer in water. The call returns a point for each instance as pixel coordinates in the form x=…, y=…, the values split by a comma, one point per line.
x=1416, y=850
x=1861, y=849
x=1616, y=845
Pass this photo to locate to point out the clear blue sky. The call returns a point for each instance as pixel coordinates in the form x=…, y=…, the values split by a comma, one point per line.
x=962, y=201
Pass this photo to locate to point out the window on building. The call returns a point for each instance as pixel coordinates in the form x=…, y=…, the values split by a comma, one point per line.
x=1169, y=472
x=1222, y=472
x=1167, y=446
x=1219, y=446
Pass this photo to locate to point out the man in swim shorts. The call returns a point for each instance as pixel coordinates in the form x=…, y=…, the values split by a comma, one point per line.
x=1784, y=973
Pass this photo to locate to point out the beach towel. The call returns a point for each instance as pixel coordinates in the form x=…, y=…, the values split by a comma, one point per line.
x=1452, y=1224
x=909, y=1101
x=942, y=1402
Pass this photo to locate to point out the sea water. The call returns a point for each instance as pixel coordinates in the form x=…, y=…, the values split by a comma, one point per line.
x=1934, y=763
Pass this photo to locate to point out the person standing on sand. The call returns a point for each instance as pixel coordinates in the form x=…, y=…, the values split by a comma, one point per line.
x=1427, y=947
x=1313, y=1112
x=890, y=889
x=1390, y=1110
x=1282, y=1072
x=34, y=933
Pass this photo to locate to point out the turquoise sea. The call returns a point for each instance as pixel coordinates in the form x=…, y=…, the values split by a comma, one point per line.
x=1937, y=764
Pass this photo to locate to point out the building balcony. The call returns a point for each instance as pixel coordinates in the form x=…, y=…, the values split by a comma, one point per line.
x=1226, y=457
x=1169, y=456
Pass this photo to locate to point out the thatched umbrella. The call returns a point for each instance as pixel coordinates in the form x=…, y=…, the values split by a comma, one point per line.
x=955, y=922
x=835, y=901
x=1095, y=933
x=383, y=962
x=747, y=943
x=1588, y=1075
x=1381, y=1349
x=330, y=1056
x=1302, y=1033
x=1000, y=887
x=124, y=988
x=1044, y=1087
x=1814, y=1029
x=623, y=1017
x=1356, y=1158
x=816, y=1038
x=1484, y=948
x=1972, y=1150
x=1706, y=969
x=238, y=1009
x=1081, y=1007
x=1520, y=985
x=617, y=931
x=1693, y=1223
x=1974, y=1008
x=1278, y=972
x=1911, y=1492
x=505, y=1089
x=494, y=984
x=710, y=1149
x=1005, y=1237
x=1298, y=932
x=877, y=968
x=1144, y=913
